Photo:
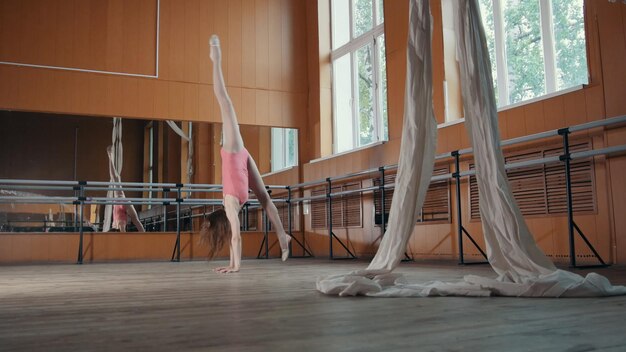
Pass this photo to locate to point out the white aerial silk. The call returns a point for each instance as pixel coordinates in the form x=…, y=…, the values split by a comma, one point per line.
x=523, y=270
x=118, y=161
x=189, y=139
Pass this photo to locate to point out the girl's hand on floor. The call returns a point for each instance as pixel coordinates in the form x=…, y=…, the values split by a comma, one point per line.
x=226, y=270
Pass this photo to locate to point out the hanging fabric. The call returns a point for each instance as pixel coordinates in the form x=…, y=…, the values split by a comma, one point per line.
x=523, y=270
x=177, y=129
x=118, y=153
x=415, y=166
x=189, y=139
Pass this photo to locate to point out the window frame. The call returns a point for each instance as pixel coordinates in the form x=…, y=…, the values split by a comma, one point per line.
x=548, y=51
x=371, y=37
x=279, y=149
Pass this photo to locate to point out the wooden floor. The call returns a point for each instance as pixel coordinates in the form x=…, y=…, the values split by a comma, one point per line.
x=273, y=306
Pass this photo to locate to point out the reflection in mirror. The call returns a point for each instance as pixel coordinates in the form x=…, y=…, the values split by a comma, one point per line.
x=453, y=105
x=35, y=147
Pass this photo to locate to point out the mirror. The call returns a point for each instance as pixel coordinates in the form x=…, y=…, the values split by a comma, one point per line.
x=37, y=146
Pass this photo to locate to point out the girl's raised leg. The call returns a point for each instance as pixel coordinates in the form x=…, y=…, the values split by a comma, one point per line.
x=232, y=141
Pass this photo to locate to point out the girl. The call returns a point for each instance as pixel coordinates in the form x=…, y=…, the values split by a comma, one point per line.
x=122, y=211
x=239, y=172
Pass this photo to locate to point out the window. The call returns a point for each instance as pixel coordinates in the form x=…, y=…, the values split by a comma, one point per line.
x=540, y=189
x=346, y=209
x=284, y=148
x=536, y=47
x=359, y=73
x=436, y=206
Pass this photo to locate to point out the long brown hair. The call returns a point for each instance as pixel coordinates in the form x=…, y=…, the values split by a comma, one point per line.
x=215, y=231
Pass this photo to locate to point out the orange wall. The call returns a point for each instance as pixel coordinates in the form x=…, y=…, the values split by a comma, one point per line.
x=22, y=248
x=109, y=35
x=263, y=44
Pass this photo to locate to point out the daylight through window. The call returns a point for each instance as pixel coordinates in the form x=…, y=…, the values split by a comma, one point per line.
x=536, y=47
x=359, y=73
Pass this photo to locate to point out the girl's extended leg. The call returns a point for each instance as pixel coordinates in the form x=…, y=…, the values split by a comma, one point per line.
x=258, y=187
x=232, y=141
x=134, y=217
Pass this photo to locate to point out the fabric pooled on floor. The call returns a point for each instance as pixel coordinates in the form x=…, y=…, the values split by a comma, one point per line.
x=559, y=283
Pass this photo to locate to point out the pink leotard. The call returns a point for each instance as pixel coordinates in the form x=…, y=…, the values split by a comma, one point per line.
x=119, y=215
x=235, y=174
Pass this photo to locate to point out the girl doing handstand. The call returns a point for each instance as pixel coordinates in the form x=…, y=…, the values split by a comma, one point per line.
x=239, y=172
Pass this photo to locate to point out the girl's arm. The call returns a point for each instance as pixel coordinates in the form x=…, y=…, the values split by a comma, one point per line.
x=235, y=257
x=231, y=205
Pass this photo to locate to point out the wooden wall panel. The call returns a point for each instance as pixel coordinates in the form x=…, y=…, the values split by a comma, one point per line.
x=554, y=110
x=205, y=30
x=262, y=107
x=111, y=35
x=612, y=34
x=534, y=118
x=234, y=43
x=98, y=248
x=515, y=123
x=575, y=108
x=115, y=30
x=248, y=112
x=275, y=44
x=262, y=41
x=248, y=47
x=396, y=30
x=191, y=41
x=176, y=42
x=120, y=36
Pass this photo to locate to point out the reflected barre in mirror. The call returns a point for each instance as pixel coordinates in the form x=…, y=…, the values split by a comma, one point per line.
x=154, y=158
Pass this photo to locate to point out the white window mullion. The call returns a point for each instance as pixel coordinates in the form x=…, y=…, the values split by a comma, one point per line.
x=374, y=14
x=357, y=43
x=284, y=148
x=500, y=48
x=547, y=36
x=350, y=7
x=377, y=79
x=355, y=100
